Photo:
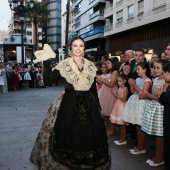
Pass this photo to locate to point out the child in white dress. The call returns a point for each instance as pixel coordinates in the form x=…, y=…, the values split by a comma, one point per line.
x=135, y=107
x=27, y=77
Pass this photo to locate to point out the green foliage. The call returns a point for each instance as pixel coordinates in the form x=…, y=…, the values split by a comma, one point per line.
x=40, y=14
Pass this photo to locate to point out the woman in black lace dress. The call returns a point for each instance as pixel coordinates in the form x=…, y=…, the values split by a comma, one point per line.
x=73, y=135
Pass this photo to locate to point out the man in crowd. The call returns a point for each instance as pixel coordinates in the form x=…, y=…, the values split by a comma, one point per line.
x=134, y=59
x=167, y=52
x=9, y=75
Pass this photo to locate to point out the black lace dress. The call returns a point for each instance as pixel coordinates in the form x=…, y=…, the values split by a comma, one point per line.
x=73, y=135
x=79, y=138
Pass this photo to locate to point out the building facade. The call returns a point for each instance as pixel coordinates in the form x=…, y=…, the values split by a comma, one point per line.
x=88, y=22
x=54, y=26
x=3, y=37
x=134, y=24
x=63, y=21
x=15, y=23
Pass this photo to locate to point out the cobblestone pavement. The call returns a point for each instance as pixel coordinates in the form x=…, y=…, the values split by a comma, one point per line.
x=21, y=115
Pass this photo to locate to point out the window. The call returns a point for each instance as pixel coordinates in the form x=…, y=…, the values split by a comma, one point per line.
x=58, y=22
x=131, y=11
x=119, y=16
x=58, y=38
x=140, y=7
x=158, y=3
x=29, y=33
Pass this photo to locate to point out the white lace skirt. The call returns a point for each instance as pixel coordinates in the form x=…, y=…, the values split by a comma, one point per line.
x=134, y=110
x=27, y=76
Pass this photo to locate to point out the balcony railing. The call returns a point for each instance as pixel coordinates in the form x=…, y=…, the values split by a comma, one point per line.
x=90, y=1
x=18, y=28
x=108, y=9
x=77, y=24
x=108, y=27
x=77, y=12
x=17, y=19
x=98, y=13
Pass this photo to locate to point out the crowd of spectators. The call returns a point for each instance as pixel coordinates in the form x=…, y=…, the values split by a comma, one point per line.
x=15, y=76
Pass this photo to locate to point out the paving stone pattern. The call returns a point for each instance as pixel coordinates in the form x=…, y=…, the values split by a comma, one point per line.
x=21, y=116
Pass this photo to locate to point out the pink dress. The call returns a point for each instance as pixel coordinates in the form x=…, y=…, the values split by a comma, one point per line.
x=106, y=98
x=117, y=111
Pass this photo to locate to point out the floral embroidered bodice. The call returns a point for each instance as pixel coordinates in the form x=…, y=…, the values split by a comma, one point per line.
x=81, y=80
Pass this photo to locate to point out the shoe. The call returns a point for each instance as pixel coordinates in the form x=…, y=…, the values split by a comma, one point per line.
x=156, y=164
x=149, y=161
x=136, y=152
x=118, y=143
x=132, y=150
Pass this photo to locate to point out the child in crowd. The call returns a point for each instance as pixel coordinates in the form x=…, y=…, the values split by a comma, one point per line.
x=105, y=97
x=135, y=107
x=152, y=122
x=27, y=77
x=39, y=79
x=164, y=98
x=3, y=79
x=109, y=82
x=105, y=75
x=117, y=111
x=1, y=82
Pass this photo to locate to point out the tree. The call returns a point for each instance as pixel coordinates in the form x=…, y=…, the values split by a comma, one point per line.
x=39, y=16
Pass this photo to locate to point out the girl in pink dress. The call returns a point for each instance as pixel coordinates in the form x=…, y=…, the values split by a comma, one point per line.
x=105, y=93
x=107, y=99
x=116, y=114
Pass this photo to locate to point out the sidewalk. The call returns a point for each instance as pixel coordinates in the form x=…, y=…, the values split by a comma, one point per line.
x=21, y=116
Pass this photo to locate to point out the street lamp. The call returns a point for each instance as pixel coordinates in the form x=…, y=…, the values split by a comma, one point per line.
x=23, y=10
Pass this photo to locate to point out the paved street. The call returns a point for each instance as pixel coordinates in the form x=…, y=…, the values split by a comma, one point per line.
x=21, y=115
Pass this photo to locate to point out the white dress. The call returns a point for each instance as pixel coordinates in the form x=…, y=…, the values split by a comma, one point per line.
x=135, y=107
x=3, y=80
x=27, y=76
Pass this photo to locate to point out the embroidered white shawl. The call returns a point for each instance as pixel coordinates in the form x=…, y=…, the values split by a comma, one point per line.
x=81, y=80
